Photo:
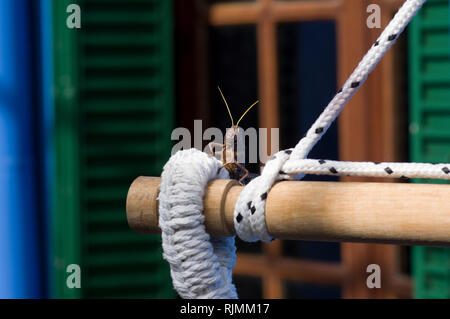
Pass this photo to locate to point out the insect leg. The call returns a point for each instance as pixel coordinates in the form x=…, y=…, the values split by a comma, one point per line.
x=212, y=150
x=244, y=170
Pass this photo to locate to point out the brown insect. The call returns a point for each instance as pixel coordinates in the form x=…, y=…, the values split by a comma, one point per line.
x=230, y=152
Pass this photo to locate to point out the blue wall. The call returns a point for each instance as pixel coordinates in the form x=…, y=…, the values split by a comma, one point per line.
x=20, y=264
x=46, y=153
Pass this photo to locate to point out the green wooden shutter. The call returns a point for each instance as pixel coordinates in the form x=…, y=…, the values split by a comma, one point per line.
x=429, y=53
x=113, y=120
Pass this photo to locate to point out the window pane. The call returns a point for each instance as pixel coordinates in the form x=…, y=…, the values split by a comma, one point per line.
x=248, y=287
x=307, y=73
x=228, y=1
x=296, y=290
x=320, y=251
x=232, y=64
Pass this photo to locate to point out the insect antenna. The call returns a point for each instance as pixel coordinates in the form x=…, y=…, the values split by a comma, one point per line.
x=229, y=112
x=246, y=112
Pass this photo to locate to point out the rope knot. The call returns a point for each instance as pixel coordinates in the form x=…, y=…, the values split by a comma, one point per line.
x=250, y=209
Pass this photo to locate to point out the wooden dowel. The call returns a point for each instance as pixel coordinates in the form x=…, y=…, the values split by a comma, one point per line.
x=410, y=214
x=221, y=14
x=225, y=14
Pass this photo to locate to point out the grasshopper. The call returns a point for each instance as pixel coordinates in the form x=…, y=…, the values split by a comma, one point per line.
x=230, y=152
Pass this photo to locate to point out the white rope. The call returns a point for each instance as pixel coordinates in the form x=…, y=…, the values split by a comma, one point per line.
x=201, y=267
x=404, y=171
x=357, y=78
x=249, y=213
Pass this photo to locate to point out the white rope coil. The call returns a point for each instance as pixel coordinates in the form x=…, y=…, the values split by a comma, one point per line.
x=201, y=266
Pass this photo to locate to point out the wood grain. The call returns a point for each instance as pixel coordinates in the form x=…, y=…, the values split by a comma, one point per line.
x=410, y=214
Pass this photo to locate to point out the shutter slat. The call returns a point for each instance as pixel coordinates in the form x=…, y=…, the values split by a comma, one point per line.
x=126, y=111
x=429, y=52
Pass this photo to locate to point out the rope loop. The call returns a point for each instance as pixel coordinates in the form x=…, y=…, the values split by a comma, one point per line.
x=249, y=212
x=200, y=265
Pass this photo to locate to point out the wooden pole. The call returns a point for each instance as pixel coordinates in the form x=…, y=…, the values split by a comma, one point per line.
x=410, y=214
x=239, y=13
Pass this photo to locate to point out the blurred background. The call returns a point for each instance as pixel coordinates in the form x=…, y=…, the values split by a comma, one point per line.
x=85, y=111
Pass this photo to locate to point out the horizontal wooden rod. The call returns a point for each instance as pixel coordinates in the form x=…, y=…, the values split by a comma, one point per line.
x=409, y=214
x=223, y=14
x=305, y=10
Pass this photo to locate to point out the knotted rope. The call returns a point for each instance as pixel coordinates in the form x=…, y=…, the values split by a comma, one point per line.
x=201, y=266
x=249, y=214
